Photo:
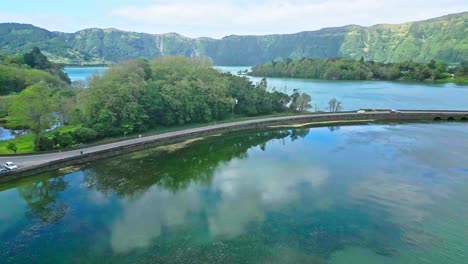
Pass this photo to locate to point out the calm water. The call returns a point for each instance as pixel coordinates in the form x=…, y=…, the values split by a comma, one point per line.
x=83, y=73
x=354, y=94
x=6, y=133
x=353, y=194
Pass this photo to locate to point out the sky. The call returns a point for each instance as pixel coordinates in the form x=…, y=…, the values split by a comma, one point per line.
x=217, y=18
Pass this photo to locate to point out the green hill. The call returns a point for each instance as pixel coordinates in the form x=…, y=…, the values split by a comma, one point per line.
x=443, y=39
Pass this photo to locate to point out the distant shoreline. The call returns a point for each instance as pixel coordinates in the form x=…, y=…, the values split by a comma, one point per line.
x=84, y=65
x=440, y=81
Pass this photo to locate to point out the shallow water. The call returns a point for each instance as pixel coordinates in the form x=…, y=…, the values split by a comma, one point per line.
x=350, y=194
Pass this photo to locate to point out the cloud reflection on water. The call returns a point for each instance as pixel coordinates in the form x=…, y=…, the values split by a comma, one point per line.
x=247, y=189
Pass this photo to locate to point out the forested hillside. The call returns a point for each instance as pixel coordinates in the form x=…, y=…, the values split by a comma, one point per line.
x=442, y=39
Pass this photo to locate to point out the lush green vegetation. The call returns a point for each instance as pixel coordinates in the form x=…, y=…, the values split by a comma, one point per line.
x=135, y=96
x=20, y=71
x=441, y=39
x=346, y=69
x=25, y=143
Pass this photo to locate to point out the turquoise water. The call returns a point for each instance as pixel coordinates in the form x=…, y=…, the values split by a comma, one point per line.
x=83, y=73
x=351, y=194
x=354, y=94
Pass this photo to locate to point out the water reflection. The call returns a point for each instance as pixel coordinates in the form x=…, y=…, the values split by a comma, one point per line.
x=151, y=197
x=172, y=170
x=41, y=197
x=144, y=218
x=321, y=195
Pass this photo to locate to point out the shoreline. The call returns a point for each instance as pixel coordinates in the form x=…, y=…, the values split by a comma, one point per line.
x=463, y=82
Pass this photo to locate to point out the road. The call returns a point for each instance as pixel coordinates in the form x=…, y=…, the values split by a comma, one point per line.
x=25, y=161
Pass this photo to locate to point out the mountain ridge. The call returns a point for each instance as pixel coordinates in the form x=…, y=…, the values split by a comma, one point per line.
x=443, y=38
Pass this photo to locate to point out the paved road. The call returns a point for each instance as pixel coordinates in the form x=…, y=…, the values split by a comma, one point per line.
x=31, y=160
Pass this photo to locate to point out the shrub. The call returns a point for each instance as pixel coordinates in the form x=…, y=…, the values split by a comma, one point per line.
x=66, y=140
x=12, y=146
x=46, y=143
x=84, y=134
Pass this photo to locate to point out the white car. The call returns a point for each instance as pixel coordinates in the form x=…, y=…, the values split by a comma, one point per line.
x=394, y=111
x=361, y=111
x=10, y=165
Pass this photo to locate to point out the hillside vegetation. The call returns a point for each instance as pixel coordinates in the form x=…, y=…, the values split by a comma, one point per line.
x=442, y=39
x=20, y=71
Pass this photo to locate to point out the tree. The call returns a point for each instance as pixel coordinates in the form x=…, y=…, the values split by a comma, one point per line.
x=35, y=59
x=263, y=84
x=42, y=199
x=334, y=105
x=34, y=108
x=80, y=84
x=303, y=102
x=135, y=95
x=12, y=146
x=300, y=101
x=114, y=103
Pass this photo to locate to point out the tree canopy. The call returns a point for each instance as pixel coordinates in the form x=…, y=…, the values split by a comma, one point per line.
x=20, y=71
x=34, y=108
x=135, y=95
x=347, y=69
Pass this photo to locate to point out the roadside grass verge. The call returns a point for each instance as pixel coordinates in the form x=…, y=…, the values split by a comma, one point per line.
x=25, y=143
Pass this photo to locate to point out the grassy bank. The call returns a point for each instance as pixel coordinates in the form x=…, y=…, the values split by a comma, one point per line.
x=459, y=81
x=25, y=143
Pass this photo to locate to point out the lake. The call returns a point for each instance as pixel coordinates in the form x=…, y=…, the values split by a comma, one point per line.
x=353, y=94
x=83, y=73
x=6, y=133
x=382, y=193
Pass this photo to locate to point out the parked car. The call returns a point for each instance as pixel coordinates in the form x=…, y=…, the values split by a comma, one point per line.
x=394, y=111
x=10, y=165
x=361, y=111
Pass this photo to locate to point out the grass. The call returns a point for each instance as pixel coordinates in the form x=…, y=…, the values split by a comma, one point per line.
x=461, y=81
x=25, y=143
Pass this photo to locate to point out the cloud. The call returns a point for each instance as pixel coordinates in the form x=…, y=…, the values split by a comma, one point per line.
x=144, y=219
x=248, y=192
x=245, y=194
